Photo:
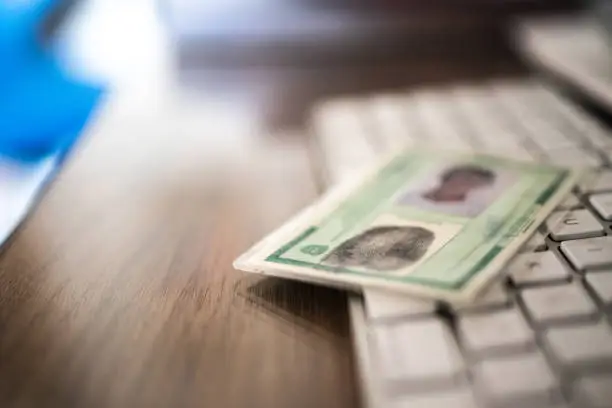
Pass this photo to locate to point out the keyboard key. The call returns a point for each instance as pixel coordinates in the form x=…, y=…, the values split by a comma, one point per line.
x=422, y=350
x=500, y=141
x=602, y=204
x=338, y=125
x=594, y=391
x=495, y=295
x=598, y=135
x=601, y=138
x=536, y=267
x=589, y=253
x=580, y=345
x=545, y=133
x=585, y=125
x=461, y=398
x=383, y=304
x=572, y=156
x=435, y=111
x=516, y=153
x=535, y=243
x=607, y=152
x=601, y=283
x=573, y=225
x=341, y=171
x=570, y=203
x=506, y=140
x=491, y=133
x=550, y=303
x=550, y=138
x=513, y=380
x=393, y=129
x=491, y=330
x=597, y=183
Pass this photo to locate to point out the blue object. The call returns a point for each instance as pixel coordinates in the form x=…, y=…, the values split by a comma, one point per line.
x=42, y=110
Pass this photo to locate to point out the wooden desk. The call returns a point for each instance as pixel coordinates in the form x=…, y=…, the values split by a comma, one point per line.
x=118, y=291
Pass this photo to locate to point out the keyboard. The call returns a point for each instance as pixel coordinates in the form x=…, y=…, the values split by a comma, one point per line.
x=542, y=335
x=576, y=50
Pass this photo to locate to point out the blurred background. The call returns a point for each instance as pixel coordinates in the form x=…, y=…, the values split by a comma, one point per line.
x=289, y=52
x=118, y=290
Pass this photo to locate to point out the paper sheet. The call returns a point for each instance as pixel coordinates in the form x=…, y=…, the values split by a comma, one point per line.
x=20, y=186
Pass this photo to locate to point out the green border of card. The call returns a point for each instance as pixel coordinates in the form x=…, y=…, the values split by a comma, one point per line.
x=485, y=260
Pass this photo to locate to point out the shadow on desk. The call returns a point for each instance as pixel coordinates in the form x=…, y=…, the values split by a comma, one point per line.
x=310, y=308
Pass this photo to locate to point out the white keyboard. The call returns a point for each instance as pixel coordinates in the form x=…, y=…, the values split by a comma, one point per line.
x=575, y=49
x=540, y=338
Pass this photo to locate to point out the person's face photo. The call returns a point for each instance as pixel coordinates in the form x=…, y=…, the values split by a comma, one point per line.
x=458, y=182
x=384, y=248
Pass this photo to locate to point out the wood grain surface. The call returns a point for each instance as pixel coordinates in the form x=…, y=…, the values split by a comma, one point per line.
x=118, y=290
